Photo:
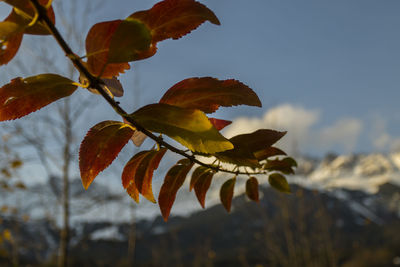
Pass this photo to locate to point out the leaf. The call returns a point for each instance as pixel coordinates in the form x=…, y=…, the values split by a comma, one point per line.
x=278, y=181
x=208, y=94
x=219, y=124
x=268, y=152
x=189, y=127
x=283, y=165
x=199, y=171
x=174, y=18
x=138, y=173
x=9, y=47
x=252, y=189
x=226, y=193
x=128, y=179
x=118, y=42
x=144, y=173
x=100, y=147
x=112, y=86
x=23, y=13
x=247, y=145
x=201, y=187
x=23, y=96
x=173, y=181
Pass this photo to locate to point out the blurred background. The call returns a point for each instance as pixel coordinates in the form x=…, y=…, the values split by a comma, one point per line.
x=326, y=71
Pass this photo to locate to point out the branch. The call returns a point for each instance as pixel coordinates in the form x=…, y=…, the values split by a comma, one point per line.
x=96, y=82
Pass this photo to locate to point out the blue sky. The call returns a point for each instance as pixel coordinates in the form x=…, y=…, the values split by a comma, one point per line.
x=333, y=65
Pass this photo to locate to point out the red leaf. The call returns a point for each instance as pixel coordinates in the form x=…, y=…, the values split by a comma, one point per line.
x=174, y=18
x=226, y=193
x=173, y=181
x=219, y=124
x=252, y=189
x=208, y=94
x=97, y=46
x=202, y=185
x=128, y=174
x=138, y=173
x=23, y=96
x=144, y=173
x=199, y=171
x=100, y=147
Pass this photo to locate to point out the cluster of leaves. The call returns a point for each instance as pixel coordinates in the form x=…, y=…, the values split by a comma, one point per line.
x=181, y=113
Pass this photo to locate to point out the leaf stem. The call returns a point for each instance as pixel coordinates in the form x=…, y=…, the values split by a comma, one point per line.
x=96, y=82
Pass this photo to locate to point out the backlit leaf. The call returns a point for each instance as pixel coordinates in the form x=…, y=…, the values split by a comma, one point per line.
x=201, y=187
x=138, y=173
x=219, y=124
x=226, y=193
x=278, y=181
x=208, y=94
x=173, y=181
x=100, y=147
x=129, y=172
x=246, y=146
x=144, y=173
x=268, y=152
x=23, y=96
x=9, y=47
x=189, y=127
x=252, y=189
x=110, y=44
x=23, y=14
x=283, y=165
x=174, y=18
x=199, y=171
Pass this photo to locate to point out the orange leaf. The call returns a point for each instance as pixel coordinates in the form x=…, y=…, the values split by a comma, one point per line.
x=144, y=173
x=138, y=172
x=129, y=172
x=100, y=147
x=201, y=185
x=208, y=94
x=173, y=181
x=252, y=189
x=219, y=124
x=9, y=47
x=199, y=171
x=226, y=193
x=23, y=96
x=174, y=18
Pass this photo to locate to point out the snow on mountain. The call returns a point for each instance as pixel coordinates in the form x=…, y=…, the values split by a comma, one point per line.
x=104, y=203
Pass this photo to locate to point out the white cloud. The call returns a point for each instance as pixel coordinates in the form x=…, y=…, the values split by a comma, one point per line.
x=300, y=123
x=380, y=137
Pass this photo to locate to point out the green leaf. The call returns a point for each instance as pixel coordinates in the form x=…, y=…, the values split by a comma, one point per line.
x=23, y=96
x=100, y=147
x=189, y=127
x=208, y=94
x=252, y=189
x=278, y=181
x=226, y=193
x=173, y=181
x=283, y=165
